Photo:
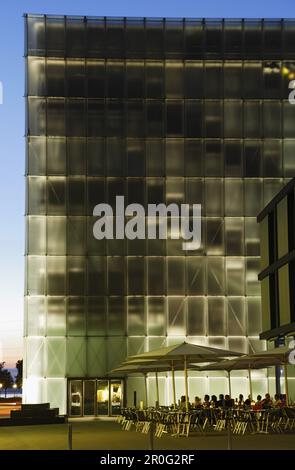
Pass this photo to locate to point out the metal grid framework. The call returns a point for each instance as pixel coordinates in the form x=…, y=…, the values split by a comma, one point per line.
x=182, y=110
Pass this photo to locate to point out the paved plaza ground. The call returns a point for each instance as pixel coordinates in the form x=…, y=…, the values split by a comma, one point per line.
x=99, y=434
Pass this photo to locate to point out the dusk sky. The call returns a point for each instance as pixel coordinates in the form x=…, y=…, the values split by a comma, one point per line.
x=12, y=122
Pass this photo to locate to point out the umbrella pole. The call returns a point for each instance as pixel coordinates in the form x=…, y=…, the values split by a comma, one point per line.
x=186, y=383
x=250, y=384
x=157, y=389
x=229, y=384
x=146, y=390
x=286, y=384
x=173, y=385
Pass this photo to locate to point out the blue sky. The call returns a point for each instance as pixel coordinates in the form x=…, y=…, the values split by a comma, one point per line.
x=12, y=199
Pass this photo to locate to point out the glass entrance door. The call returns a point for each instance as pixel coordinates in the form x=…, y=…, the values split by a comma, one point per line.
x=102, y=397
x=76, y=398
x=95, y=397
x=89, y=398
x=116, y=397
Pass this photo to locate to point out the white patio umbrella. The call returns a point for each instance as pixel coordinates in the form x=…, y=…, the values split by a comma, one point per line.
x=245, y=362
x=145, y=367
x=281, y=356
x=187, y=354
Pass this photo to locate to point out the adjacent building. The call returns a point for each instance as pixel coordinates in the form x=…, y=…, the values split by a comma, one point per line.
x=157, y=110
x=277, y=276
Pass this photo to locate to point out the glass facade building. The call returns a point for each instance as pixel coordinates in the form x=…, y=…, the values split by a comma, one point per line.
x=157, y=110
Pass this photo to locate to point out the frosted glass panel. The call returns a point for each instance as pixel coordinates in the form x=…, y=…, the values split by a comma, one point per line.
x=56, y=275
x=76, y=316
x=156, y=316
x=236, y=316
x=76, y=357
x=195, y=266
x=216, y=317
x=56, y=235
x=215, y=272
x=56, y=316
x=35, y=275
x=234, y=236
x=254, y=316
x=176, y=316
x=136, y=316
x=96, y=316
x=176, y=275
x=196, y=316
x=235, y=282
x=56, y=357
x=35, y=357
x=36, y=235
x=214, y=236
x=35, y=316
x=116, y=316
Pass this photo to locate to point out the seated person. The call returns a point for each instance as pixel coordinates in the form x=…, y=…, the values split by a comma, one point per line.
x=241, y=401
x=258, y=404
x=220, y=402
x=213, y=401
x=228, y=402
x=197, y=403
x=247, y=403
x=277, y=401
x=206, y=402
x=267, y=402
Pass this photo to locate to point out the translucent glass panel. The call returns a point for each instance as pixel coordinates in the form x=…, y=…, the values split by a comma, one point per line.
x=234, y=236
x=196, y=316
x=215, y=273
x=36, y=76
x=176, y=324
x=36, y=34
x=76, y=316
x=35, y=324
x=36, y=272
x=176, y=276
x=76, y=357
x=56, y=275
x=96, y=316
x=36, y=235
x=156, y=315
x=136, y=316
x=195, y=275
x=136, y=276
x=156, y=276
x=235, y=282
x=236, y=316
x=254, y=326
x=216, y=316
x=56, y=316
x=55, y=350
x=116, y=316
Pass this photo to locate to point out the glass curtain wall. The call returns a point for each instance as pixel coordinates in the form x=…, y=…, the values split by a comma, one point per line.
x=156, y=110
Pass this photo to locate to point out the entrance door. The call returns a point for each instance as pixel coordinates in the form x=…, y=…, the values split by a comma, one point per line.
x=95, y=397
x=102, y=397
x=116, y=397
x=89, y=398
x=76, y=398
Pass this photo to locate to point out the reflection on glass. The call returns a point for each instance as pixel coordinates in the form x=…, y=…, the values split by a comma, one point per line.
x=89, y=394
x=76, y=398
x=102, y=397
x=116, y=397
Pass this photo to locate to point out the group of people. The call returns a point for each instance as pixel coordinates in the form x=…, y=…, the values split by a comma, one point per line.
x=226, y=402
